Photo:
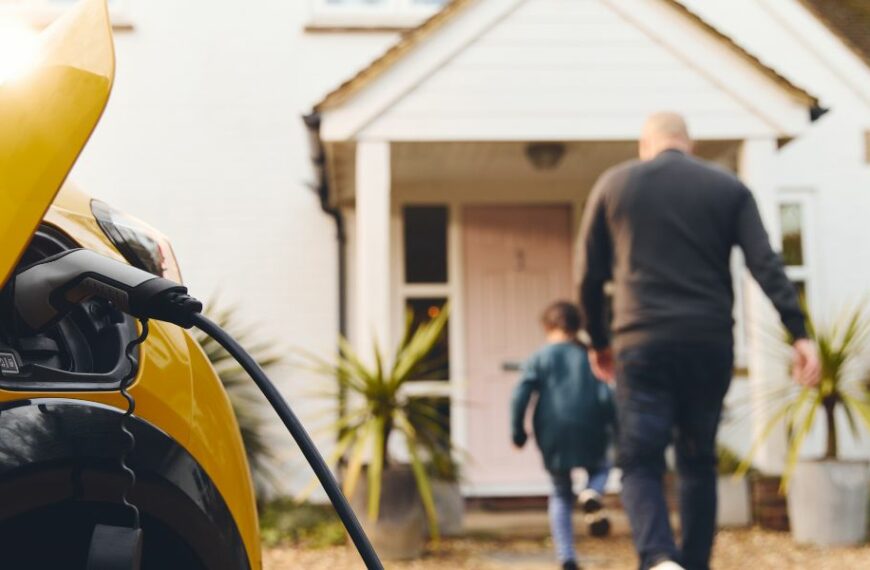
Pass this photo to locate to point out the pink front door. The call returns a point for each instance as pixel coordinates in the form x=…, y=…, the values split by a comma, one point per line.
x=517, y=260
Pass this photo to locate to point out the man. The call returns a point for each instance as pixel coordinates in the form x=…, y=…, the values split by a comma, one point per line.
x=662, y=229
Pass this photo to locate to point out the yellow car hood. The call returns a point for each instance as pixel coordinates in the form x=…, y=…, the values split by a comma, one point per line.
x=47, y=114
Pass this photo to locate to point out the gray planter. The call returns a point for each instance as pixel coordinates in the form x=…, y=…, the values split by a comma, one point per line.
x=734, y=505
x=450, y=506
x=398, y=532
x=827, y=502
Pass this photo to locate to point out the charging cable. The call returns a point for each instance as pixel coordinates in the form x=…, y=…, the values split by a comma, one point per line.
x=297, y=430
x=48, y=290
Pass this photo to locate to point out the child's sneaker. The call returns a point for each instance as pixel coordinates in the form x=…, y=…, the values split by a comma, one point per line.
x=599, y=525
x=590, y=500
x=570, y=565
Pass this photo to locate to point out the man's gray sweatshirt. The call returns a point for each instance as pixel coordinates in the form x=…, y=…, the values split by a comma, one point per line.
x=663, y=232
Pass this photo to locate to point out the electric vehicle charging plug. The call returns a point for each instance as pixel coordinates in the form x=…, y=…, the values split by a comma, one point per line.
x=48, y=290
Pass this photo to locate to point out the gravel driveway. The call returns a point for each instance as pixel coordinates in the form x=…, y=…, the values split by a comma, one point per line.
x=735, y=550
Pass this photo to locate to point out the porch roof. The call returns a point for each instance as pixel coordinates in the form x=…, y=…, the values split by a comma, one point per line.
x=453, y=8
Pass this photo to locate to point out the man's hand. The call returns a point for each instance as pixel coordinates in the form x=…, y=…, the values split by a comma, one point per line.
x=806, y=369
x=603, y=365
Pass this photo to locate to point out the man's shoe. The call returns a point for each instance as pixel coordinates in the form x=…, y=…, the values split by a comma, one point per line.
x=570, y=565
x=667, y=565
x=590, y=501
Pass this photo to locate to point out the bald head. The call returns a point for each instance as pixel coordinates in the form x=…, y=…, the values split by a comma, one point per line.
x=663, y=131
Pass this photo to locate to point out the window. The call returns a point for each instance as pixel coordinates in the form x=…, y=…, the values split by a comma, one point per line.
x=372, y=13
x=436, y=366
x=41, y=13
x=425, y=244
x=794, y=227
x=791, y=227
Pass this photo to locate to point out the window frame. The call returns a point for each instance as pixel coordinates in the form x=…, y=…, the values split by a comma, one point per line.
x=389, y=14
x=41, y=13
x=805, y=198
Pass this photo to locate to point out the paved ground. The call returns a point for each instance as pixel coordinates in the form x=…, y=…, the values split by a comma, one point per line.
x=511, y=541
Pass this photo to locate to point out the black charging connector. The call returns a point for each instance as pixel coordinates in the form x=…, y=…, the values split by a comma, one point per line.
x=46, y=291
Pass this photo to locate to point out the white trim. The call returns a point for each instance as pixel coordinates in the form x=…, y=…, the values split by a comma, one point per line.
x=387, y=14
x=822, y=44
x=699, y=49
x=766, y=370
x=423, y=290
x=41, y=13
x=345, y=122
x=434, y=388
x=372, y=252
x=781, y=113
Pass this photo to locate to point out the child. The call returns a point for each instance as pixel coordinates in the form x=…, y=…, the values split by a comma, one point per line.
x=573, y=417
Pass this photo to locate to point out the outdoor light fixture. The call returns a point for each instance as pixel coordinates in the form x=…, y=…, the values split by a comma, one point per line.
x=545, y=155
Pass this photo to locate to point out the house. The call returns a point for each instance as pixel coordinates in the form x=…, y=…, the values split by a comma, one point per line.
x=454, y=144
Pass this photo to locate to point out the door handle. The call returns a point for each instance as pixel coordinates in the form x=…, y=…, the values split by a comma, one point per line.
x=511, y=366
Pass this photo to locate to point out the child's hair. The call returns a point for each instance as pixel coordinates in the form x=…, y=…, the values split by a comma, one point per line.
x=562, y=315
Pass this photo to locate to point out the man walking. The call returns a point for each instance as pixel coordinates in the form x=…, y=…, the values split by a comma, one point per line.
x=662, y=229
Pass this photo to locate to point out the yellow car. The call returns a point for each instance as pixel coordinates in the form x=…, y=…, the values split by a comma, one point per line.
x=60, y=438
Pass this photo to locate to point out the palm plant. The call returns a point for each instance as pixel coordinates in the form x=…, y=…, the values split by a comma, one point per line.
x=377, y=408
x=247, y=403
x=842, y=344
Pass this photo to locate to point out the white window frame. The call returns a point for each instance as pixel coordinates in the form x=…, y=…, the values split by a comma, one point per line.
x=398, y=14
x=806, y=273
x=41, y=13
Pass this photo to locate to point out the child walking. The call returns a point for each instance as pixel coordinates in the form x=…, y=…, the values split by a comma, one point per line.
x=573, y=419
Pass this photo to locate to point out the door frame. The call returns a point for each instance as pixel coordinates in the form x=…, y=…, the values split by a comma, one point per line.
x=457, y=388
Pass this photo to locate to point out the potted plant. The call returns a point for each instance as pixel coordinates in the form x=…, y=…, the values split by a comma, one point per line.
x=733, y=491
x=395, y=499
x=827, y=496
x=447, y=493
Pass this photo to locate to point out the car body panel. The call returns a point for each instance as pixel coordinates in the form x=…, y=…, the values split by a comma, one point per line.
x=176, y=387
x=47, y=114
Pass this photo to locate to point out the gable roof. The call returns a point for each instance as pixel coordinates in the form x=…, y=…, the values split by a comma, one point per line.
x=452, y=8
x=848, y=19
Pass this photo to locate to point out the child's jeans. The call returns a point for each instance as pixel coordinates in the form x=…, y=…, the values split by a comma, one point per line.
x=561, y=505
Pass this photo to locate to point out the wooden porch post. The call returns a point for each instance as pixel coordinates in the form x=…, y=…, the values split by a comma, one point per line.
x=767, y=370
x=372, y=251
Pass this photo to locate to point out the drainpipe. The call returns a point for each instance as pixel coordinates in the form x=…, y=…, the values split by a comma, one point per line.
x=321, y=187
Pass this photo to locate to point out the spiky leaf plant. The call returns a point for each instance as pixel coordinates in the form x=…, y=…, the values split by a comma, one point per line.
x=843, y=344
x=249, y=406
x=377, y=409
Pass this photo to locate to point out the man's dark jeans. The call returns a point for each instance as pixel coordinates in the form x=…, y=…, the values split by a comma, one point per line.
x=671, y=393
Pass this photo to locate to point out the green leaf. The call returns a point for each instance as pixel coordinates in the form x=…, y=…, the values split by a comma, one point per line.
x=797, y=443
x=424, y=486
x=376, y=469
x=354, y=466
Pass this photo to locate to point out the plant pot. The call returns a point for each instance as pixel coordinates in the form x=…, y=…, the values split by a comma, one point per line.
x=450, y=507
x=733, y=497
x=828, y=502
x=398, y=532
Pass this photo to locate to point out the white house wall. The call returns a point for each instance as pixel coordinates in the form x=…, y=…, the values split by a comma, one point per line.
x=586, y=69
x=203, y=139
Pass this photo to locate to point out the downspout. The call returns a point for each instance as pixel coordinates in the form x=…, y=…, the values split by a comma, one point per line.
x=321, y=188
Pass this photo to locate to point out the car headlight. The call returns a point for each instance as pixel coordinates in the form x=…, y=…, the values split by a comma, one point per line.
x=141, y=245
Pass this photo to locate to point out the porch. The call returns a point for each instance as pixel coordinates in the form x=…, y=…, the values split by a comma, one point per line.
x=462, y=158
x=491, y=228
